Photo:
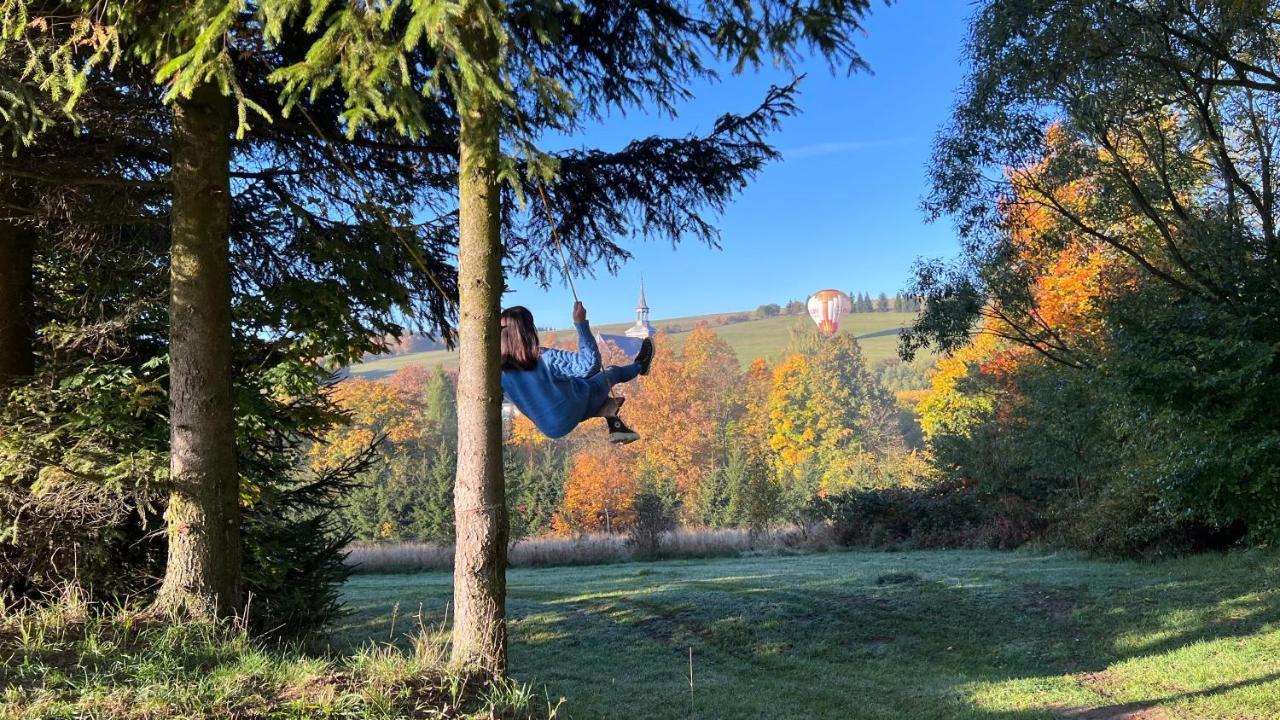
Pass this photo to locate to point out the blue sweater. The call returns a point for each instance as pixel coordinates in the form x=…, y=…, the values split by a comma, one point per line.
x=556, y=393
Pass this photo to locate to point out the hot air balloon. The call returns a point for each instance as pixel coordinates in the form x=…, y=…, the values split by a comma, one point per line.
x=826, y=307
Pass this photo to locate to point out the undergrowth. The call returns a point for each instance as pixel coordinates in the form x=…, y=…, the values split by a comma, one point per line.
x=72, y=660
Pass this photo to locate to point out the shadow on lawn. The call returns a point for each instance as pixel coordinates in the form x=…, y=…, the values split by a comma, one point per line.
x=1142, y=709
x=911, y=641
x=905, y=635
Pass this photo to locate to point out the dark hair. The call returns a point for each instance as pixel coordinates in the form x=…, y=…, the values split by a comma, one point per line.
x=519, y=339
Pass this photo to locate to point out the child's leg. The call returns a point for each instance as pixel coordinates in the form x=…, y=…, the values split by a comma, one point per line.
x=601, y=404
x=616, y=374
x=609, y=408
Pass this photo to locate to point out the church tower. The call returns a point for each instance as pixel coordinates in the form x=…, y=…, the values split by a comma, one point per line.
x=642, y=328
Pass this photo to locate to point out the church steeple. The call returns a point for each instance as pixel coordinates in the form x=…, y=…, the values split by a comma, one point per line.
x=642, y=328
x=642, y=307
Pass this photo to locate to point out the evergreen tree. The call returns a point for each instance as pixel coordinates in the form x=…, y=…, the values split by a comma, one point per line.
x=882, y=303
x=284, y=255
x=17, y=255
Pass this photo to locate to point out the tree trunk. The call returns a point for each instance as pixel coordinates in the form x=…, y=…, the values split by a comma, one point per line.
x=480, y=511
x=17, y=308
x=202, y=577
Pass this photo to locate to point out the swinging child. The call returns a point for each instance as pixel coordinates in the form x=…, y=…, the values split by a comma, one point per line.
x=558, y=389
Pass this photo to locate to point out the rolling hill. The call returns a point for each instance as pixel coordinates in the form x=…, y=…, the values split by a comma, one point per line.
x=766, y=338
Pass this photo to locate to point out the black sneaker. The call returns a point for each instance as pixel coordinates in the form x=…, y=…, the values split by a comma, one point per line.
x=645, y=357
x=619, y=433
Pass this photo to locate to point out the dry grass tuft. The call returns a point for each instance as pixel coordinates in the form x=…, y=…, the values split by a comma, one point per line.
x=594, y=548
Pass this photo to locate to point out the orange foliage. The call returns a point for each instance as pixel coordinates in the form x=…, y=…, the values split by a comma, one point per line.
x=597, y=493
x=1074, y=273
x=680, y=407
x=756, y=426
x=409, y=380
x=525, y=434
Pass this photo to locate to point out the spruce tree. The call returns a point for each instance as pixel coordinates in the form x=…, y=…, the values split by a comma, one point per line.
x=301, y=229
x=17, y=252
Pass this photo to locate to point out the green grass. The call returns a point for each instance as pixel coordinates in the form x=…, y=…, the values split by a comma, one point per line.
x=955, y=635
x=64, y=662
x=767, y=338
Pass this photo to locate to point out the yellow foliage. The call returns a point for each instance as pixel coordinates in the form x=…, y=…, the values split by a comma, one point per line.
x=373, y=409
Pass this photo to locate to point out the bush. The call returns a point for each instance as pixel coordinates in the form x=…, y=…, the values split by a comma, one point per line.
x=653, y=517
x=1126, y=519
x=944, y=516
x=98, y=526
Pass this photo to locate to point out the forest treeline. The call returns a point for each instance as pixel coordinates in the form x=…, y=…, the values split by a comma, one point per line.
x=860, y=302
x=1113, y=323
x=722, y=446
x=1110, y=331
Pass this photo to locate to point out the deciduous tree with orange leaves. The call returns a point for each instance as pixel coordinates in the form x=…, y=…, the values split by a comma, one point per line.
x=680, y=410
x=598, y=492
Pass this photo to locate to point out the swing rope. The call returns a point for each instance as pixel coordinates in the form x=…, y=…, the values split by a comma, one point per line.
x=551, y=225
x=397, y=230
x=363, y=189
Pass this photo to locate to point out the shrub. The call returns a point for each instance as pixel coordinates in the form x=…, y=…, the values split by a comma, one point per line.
x=949, y=515
x=1125, y=518
x=653, y=518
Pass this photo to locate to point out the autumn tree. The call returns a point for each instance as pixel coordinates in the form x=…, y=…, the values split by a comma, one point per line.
x=598, y=492
x=1159, y=170
x=681, y=410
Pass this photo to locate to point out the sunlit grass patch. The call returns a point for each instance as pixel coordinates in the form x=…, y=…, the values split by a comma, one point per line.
x=73, y=661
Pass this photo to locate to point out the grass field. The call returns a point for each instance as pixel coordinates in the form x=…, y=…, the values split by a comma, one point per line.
x=919, y=635
x=767, y=338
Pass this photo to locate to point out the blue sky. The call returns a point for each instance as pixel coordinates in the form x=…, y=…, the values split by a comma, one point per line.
x=842, y=209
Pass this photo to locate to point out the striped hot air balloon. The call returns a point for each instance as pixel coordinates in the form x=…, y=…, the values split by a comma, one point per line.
x=826, y=307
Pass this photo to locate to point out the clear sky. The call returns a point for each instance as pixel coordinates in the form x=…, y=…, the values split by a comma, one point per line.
x=842, y=209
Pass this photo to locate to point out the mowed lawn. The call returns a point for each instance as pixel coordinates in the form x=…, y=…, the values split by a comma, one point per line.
x=768, y=338
x=980, y=635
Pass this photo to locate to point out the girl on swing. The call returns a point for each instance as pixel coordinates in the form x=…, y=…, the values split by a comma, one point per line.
x=558, y=389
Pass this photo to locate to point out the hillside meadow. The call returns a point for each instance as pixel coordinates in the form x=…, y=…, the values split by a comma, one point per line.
x=766, y=338
x=943, y=635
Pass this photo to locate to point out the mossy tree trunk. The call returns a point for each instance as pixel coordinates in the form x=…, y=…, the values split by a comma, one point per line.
x=17, y=307
x=480, y=511
x=202, y=577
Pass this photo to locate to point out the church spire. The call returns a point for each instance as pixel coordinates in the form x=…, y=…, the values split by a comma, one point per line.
x=642, y=328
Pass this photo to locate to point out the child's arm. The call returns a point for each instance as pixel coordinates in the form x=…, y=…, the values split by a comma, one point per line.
x=585, y=362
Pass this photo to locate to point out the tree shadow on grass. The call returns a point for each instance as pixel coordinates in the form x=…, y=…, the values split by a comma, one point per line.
x=1148, y=709
x=904, y=644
